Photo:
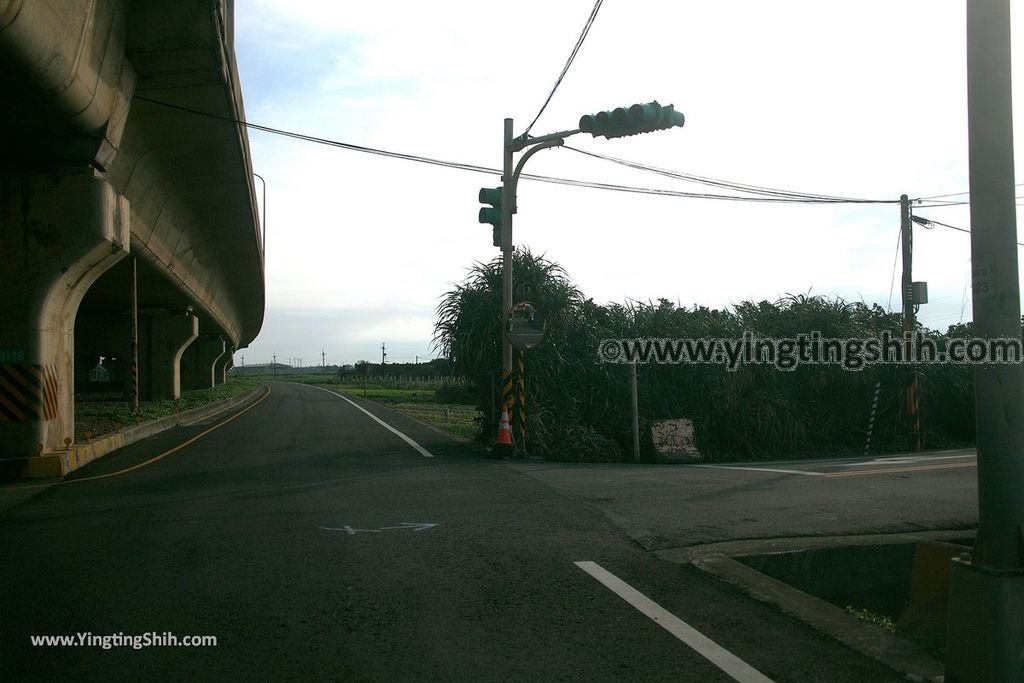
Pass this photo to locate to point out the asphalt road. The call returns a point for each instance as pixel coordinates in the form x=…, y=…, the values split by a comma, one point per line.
x=316, y=544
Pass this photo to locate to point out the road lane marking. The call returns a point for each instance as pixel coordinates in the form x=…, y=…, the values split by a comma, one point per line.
x=907, y=460
x=761, y=469
x=154, y=458
x=704, y=646
x=897, y=470
x=415, y=526
x=422, y=451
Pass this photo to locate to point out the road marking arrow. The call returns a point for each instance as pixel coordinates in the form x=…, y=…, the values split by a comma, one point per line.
x=415, y=526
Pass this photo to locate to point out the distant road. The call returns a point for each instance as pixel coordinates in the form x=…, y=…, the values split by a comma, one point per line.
x=317, y=543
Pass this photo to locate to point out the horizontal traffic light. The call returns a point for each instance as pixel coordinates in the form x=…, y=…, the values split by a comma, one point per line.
x=492, y=214
x=632, y=120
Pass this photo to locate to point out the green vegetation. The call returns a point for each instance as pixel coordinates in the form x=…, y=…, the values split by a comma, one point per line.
x=94, y=418
x=872, y=618
x=579, y=408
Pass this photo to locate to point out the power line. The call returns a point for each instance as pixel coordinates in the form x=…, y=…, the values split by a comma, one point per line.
x=796, y=199
x=895, y=259
x=568, y=63
x=928, y=223
x=731, y=185
x=953, y=194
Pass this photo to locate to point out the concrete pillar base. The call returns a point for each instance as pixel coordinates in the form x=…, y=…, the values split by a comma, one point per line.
x=61, y=232
x=985, y=636
x=220, y=368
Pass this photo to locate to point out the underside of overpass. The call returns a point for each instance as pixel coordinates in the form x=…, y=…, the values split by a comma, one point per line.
x=128, y=226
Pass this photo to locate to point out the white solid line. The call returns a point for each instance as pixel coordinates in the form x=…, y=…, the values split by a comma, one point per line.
x=422, y=451
x=704, y=646
x=761, y=469
x=906, y=460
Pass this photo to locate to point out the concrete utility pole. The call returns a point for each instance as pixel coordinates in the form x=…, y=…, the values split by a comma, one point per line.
x=383, y=354
x=909, y=320
x=275, y=365
x=323, y=361
x=985, y=640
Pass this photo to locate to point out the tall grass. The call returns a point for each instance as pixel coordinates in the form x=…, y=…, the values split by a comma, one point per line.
x=579, y=409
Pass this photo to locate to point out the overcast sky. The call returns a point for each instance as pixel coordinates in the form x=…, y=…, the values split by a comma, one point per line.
x=864, y=99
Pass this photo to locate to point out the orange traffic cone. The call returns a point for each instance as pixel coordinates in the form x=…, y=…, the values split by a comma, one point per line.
x=504, y=429
x=503, y=447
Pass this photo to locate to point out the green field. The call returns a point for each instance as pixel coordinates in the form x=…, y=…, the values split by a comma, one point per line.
x=437, y=402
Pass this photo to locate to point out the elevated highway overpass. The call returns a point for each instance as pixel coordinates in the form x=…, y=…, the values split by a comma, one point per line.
x=118, y=213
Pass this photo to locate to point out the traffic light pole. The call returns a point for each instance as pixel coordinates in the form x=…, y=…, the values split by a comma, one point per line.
x=620, y=122
x=986, y=632
x=509, y=183
x=508, y=193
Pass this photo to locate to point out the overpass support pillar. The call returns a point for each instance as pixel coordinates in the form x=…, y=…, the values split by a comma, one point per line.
x=58, y=234
x=161, y=360
x=200, y=363
x=220, y=368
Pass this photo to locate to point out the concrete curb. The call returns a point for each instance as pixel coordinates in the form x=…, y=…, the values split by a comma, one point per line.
x=892, y=650
x=897, y=653
x=60, y=463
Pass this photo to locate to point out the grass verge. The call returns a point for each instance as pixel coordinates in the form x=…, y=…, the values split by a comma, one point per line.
x=96, y=416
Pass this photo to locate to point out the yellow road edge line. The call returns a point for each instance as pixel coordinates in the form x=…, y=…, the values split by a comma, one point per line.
x=154, y=458
x=922, y=468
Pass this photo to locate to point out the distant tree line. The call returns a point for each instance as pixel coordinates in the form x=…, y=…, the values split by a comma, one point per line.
x=434, y=369
x=579, y=408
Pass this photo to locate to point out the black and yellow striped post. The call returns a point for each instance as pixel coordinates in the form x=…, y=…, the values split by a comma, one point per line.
x=914, y=411
x=28, y=392
x=504, y=444
x=520, y=406
x=871, y=418
x=508, y=395
x=135, y=337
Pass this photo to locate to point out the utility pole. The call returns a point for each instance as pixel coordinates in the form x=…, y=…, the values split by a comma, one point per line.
x=243, y=364
x=275, y=365
x=634, y=404
x=986, y=600
x=909, y=322
x=383, y=354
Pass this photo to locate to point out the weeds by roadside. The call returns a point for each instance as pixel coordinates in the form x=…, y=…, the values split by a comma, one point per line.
x=95, y=418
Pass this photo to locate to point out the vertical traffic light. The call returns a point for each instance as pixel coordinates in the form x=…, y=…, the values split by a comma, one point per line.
x=492, y=214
